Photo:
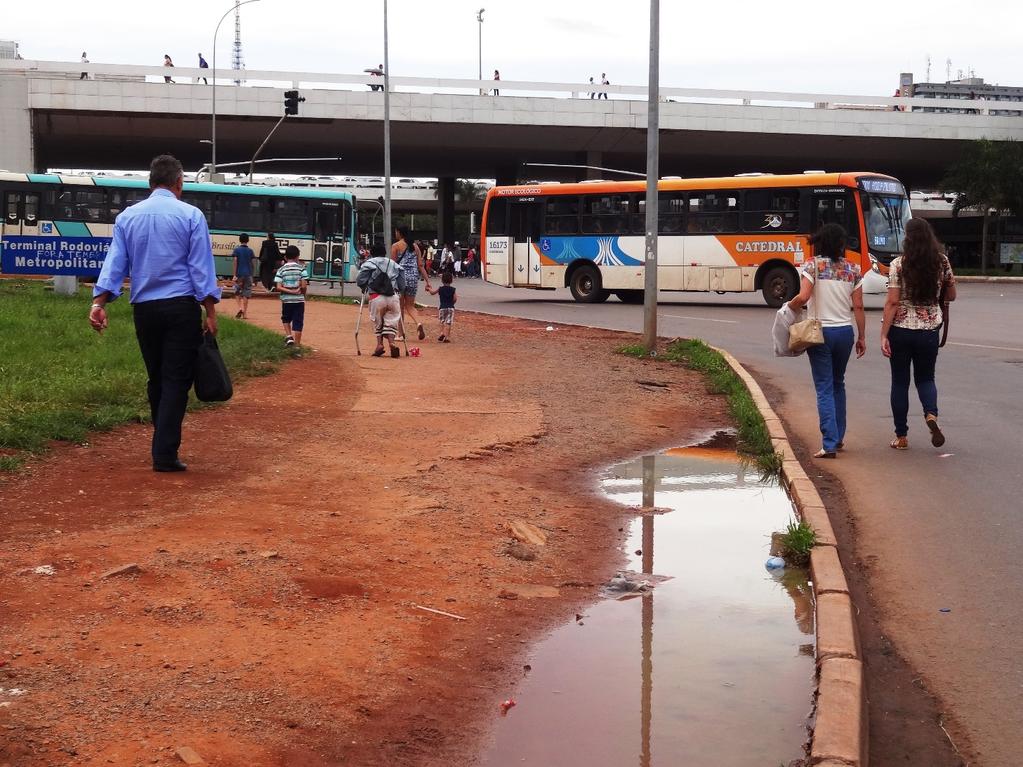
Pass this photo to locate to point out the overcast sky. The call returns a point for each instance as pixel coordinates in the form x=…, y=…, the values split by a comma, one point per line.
x=797, y=45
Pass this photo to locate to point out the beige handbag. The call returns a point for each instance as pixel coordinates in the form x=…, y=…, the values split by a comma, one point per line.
x=808, y=332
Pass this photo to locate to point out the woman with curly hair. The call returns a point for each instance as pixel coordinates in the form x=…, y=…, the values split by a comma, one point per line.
x=833, y=289
x=912, y=316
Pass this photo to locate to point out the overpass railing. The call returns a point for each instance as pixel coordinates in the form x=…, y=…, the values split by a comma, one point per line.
x=338, y=81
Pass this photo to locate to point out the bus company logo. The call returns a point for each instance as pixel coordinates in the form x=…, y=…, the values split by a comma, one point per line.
x=520, y=190
x=771, y=221
x=770, y=246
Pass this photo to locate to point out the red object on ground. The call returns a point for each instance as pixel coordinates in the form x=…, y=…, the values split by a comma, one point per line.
x=507, y=705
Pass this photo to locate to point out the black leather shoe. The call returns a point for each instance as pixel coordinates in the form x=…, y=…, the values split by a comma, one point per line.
x=174, y=465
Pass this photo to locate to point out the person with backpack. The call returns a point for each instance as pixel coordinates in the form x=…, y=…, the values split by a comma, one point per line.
x=382, y=280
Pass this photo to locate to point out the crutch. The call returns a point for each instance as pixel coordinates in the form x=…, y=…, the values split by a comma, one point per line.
x=358, y=323
x=401, y=329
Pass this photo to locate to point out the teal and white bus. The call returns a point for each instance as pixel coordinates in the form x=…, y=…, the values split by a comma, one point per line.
x=62, y=225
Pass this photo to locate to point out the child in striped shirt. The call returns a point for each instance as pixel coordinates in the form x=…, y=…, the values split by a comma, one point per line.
x=292, y=280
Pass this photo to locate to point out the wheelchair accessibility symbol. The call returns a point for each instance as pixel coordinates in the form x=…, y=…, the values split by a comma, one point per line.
x=545, y=244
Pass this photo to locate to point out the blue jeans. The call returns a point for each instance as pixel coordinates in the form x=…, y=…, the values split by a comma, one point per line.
x=827, y=364
x=918, y=348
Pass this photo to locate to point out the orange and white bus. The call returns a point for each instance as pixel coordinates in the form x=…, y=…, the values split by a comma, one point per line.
x=737, y=234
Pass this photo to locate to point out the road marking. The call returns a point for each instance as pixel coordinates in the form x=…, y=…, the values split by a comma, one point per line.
x=984, y=346
x=700, y=319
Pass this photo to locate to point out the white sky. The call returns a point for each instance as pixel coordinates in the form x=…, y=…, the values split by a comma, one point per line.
x=851, y=47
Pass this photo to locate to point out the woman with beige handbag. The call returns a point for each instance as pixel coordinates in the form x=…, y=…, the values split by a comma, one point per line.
x=832, y=290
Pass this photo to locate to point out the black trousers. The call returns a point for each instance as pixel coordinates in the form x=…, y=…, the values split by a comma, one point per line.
x=169, y=332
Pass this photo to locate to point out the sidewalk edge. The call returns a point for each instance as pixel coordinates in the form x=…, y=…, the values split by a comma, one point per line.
x=840, y=734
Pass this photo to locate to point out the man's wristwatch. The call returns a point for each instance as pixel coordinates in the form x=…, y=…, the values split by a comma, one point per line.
x=96, y=306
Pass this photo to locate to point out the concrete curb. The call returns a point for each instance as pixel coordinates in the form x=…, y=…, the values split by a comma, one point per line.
x=968, y=279
x=840, y=732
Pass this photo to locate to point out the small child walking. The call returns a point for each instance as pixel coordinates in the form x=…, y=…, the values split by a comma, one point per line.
x=448, y=299
x=292, y=280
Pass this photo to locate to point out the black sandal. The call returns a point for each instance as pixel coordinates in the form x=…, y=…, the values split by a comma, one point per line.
x=395, y=352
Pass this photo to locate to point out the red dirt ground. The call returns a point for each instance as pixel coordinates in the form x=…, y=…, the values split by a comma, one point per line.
x=272, y=622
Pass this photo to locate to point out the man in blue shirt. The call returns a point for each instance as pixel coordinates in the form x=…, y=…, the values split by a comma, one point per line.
x=163, y=244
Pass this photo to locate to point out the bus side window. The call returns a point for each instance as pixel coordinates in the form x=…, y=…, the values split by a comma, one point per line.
x=771, y=210
x=605, y=214
x=11, y=208
x=292, y=216
x=837, y=209
x=242, y=213
x=671, y=209
x=203, y=202
x=562, y=215
x=90, y=205
x=713, y=212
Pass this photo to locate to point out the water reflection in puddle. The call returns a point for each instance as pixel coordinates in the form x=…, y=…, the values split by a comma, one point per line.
x=713, y=666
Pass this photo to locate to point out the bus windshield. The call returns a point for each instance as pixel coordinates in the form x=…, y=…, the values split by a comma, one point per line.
x=885, y=216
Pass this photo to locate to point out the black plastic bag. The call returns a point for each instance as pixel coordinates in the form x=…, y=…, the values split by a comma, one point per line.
x=212, y=382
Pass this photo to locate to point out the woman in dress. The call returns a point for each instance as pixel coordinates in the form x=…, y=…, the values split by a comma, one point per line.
x=831, y=287
x=410, y=259
x=918, y=281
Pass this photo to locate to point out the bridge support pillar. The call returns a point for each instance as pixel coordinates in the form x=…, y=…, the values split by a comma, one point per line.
x=446, y=209
x=17, y=153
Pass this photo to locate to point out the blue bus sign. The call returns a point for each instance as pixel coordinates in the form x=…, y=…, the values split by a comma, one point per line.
x=70, y=256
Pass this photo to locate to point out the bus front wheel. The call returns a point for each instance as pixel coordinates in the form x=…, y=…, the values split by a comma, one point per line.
x=630, y=296
x=780, y=285
x=587, y=286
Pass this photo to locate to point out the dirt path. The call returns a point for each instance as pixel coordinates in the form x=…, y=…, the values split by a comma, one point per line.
x=272, y=622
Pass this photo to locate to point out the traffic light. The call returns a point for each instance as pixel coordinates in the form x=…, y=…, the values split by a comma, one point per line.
x=291, y=99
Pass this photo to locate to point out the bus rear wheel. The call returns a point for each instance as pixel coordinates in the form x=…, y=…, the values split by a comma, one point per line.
x=630, y=296
x=587, y=286
x=780, y=285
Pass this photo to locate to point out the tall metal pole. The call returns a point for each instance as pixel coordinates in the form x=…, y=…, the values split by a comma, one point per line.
x=652, y=174
x=213, y=127
x=479, y=18
x=388, y=231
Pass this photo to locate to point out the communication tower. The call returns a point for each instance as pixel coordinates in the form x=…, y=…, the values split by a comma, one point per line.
x=237, y=60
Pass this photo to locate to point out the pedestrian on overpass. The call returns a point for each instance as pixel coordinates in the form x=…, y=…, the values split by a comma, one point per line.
x=167, y=63
x=203, y=64
x=85, y=60
x=497, y=79
x=832, y=289
x=919, y=281
x=163, y=244
x=604, y=83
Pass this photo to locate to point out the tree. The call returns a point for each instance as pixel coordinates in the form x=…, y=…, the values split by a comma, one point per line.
x=989, y=178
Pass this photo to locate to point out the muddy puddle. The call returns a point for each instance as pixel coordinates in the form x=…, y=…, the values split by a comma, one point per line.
x=711, y=663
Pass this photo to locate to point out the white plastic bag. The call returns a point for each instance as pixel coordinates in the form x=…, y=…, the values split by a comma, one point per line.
x=783, y=320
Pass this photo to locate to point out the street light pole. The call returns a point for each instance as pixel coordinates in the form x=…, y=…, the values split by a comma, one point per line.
x=652, y=151
x=213, y=128
x=479, y=18
x=388, y=231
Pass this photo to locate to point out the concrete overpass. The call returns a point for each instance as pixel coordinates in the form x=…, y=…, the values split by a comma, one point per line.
x=124, y=115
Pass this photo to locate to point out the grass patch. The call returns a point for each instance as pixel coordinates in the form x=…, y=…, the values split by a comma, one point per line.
x=59, y=380
x=347, y=301
x=796, y=543
x=753, y=439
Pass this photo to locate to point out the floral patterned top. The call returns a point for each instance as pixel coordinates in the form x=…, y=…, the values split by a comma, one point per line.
x=919, y=316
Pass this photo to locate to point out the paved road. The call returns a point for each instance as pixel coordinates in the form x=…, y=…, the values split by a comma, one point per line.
x=944, y=525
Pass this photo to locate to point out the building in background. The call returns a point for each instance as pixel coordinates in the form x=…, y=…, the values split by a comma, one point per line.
x=966, y=89
x=9, y=50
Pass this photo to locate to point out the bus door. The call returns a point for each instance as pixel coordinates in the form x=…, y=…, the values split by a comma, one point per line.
x=328, y=249
x=836, y=206
x=524, y=229
x=21, y=213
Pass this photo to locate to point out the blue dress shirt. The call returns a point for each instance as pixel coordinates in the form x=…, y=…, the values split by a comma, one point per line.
x=163, y=244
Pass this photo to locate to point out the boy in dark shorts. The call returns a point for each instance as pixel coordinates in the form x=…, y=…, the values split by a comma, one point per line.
x=448, y=299
x=242, y=278
x=292, y=280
